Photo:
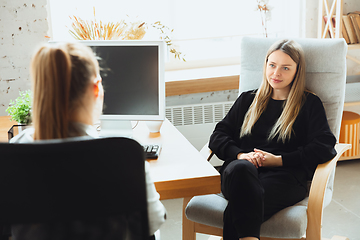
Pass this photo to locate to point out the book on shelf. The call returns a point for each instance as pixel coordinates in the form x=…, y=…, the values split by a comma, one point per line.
x=355, y=19
x=357, y=12
x=350, y=29
x=344, y=33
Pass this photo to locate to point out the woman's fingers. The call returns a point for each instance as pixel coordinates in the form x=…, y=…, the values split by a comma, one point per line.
x=254, y=161
x=253, y=158
x=261, y=153
x=256, y=158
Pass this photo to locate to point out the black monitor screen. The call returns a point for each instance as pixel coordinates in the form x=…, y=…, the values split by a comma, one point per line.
x=130, y=76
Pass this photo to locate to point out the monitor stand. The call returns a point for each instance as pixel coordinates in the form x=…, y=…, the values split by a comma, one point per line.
x=116, y=128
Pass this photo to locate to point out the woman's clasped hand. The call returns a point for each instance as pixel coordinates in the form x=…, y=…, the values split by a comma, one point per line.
x=261, y=158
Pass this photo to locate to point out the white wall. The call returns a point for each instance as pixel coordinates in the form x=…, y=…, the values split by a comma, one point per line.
x=23, y=25
x=309, y=18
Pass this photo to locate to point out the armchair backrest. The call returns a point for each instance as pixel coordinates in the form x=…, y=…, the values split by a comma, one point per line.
x=325, y=71
x=86, y=187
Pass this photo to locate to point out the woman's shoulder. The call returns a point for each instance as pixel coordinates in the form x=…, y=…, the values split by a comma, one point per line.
x=245, y=99
x=248, y=95
x=312, y=98
x=312, y=103
x=249, y=92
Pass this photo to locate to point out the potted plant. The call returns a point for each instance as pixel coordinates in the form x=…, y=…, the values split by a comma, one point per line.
x=20, y=109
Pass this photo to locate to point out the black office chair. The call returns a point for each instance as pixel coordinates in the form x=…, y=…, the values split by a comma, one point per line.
x=77, y=188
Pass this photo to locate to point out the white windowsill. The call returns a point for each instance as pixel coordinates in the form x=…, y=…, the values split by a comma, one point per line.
x=202, y=73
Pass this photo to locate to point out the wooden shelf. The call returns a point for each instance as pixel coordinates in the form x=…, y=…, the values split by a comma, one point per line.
x=349, y=158
x=354, y=46
x=333, y=11
x=329, y=9
x=349, y=104
x=201, y=85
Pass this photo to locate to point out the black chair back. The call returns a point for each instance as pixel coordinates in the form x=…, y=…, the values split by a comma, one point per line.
x=77, y=188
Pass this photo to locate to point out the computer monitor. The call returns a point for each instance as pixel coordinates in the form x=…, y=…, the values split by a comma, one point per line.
x=133, y=79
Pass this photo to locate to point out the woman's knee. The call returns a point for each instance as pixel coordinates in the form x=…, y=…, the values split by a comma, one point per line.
x=240, y=167
x=238, y=172
x=240, y=178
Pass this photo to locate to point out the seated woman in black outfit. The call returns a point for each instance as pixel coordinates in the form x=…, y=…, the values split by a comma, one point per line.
x=271, y=140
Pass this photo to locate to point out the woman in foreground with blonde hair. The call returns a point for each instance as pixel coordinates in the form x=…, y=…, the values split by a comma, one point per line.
x=68, y=100
x=271, y=140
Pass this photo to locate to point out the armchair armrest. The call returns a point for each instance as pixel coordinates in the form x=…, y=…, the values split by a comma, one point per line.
x=317, y=193
x=206, y=152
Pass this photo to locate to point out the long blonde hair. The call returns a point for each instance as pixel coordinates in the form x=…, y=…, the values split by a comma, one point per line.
x=283, y=127
x=60, y=76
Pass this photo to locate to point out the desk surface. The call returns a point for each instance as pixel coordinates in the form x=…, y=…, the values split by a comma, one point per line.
x=180, y=171
x=5, y=125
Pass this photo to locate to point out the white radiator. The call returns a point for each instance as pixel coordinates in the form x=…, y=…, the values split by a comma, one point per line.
x=197, y=121
x=195, y=114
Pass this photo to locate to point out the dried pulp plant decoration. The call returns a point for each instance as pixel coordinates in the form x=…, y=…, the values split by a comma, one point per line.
x=264, y=9
x=122, y=30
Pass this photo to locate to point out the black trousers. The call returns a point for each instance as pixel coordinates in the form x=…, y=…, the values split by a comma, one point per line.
x=255, y=195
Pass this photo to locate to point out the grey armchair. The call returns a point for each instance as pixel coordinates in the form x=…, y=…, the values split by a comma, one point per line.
x=325, y=76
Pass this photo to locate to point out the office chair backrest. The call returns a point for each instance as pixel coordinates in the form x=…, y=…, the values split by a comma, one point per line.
x=84, y=187
x=325, y=71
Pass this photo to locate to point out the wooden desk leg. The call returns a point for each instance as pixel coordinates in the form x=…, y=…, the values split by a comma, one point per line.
x=188, y=228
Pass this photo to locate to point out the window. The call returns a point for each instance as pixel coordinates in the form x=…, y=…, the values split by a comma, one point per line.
x=208, y=32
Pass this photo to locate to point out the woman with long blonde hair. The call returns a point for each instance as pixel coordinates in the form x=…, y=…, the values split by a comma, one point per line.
x=68, y=100
x=271, y=140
